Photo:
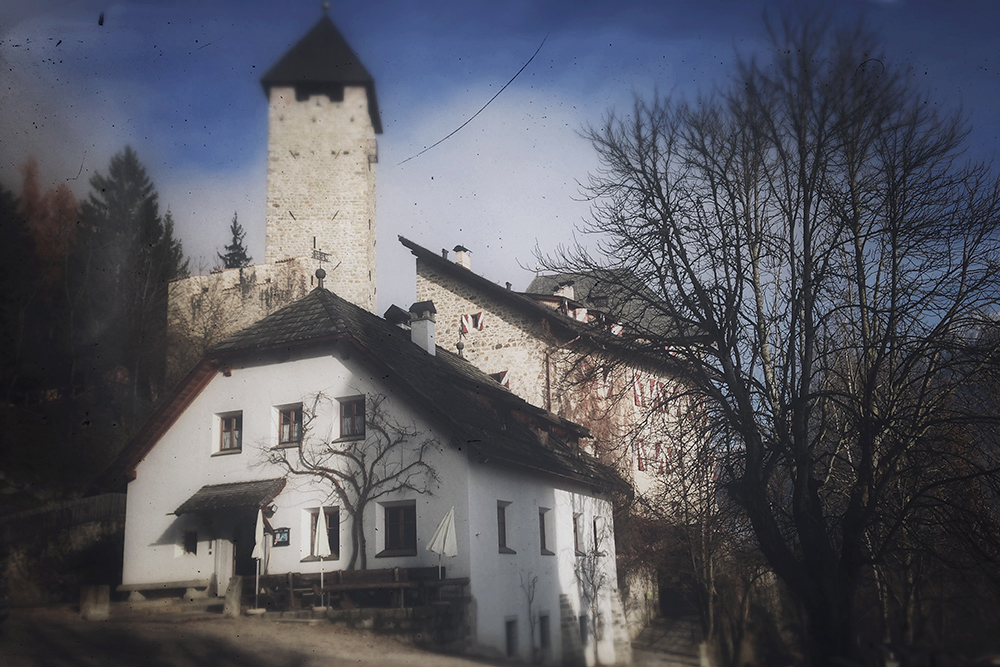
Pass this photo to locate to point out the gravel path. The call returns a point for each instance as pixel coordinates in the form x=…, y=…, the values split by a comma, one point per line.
x=57, y=638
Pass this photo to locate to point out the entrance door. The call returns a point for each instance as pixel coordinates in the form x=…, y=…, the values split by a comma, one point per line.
x=244, y=563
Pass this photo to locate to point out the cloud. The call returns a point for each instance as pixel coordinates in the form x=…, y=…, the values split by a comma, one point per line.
x=500, y=186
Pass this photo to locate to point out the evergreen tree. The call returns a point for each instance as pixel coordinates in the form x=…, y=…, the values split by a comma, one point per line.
x=133, y=255
x=236, y=256
x=15, y=279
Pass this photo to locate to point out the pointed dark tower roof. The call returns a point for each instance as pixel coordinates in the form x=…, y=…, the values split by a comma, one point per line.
x=323, y=56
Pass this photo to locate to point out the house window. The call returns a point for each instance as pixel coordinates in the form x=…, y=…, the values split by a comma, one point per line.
x=544, y=634
x=511, y=632
x=400, y=525
x=577, y=544
x=332, y=517
x=352, y=417
x=231, y=432
x=502, y=527
x=542, y=532
x=290, y=425
x=191, y=542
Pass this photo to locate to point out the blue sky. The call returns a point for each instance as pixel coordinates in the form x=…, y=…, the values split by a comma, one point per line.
x=179, y=81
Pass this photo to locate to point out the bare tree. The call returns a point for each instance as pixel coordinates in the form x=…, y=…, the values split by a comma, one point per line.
x=812, y=246
x=389, y=457
x=528, y=588
x=593, y=581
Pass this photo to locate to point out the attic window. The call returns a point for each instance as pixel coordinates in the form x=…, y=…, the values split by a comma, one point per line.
x=290, y=425
x=333, y=91
x=231, y=432
x=352, y=417
x=474, y=321
x=502, y=378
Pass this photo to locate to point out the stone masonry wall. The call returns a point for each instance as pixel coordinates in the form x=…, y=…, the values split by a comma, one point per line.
x=508, y=341
x=203, y=310
x=321, y=187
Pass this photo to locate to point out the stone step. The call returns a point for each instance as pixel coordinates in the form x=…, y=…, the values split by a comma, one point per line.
x=175, y=606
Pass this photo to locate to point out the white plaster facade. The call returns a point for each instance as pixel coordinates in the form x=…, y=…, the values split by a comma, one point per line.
x=186, y=457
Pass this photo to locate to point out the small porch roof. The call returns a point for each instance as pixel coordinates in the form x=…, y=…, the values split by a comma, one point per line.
x=235, y=495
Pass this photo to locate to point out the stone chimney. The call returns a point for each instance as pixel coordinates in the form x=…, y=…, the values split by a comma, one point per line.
x=422, y=325
x=462, y=256
x=565, y=290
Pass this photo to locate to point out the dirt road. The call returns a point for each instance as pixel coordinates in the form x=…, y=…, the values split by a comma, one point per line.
x=57, y=638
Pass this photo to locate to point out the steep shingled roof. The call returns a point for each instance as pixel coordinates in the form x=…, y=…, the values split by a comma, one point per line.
x=618, y=294
x=482, y=416
x=533, y=306
x=323, y=56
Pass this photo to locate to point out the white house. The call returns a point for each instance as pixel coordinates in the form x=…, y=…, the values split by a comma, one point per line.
x=532, y=508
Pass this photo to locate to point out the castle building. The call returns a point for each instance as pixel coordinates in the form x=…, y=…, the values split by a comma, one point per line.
x=321, y=156
x=323, y=118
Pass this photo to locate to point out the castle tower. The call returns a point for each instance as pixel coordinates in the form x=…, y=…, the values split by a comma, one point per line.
x=321, y=156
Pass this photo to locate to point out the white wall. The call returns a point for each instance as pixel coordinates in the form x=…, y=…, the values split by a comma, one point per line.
x=497, y=577
x=186, y=458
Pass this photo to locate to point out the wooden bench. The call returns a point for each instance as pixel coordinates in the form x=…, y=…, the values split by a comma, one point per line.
x=289, y=590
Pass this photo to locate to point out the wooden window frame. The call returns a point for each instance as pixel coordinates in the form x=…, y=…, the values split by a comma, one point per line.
x=230, y=424
x=577, y=537
x=399, y=523
x=352, y=420
x=543, y=532
x=290, y=425
x=333, y=532
x=502, y=506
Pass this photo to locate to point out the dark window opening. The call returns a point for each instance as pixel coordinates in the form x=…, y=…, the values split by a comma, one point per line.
x=511, y=631
x=333, y=91
x=544, y=640
x=502, y=527
x=352, y=418
x=332, y=517
x=400, y=530
x=191, y=542
x=231, y=431
x=542, y=536
x=290, y=426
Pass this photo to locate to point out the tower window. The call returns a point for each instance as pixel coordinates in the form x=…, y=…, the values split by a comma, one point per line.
x=333, y=91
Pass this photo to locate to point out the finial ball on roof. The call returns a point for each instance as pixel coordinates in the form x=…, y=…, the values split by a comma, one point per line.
x=326, y=7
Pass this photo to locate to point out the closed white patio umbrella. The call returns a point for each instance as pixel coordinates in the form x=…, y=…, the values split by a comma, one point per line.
x=444, y=542
x=258, y=552
x=321, y=548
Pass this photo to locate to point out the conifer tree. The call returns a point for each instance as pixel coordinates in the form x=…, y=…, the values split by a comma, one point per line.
x=133, y=256
x=236, y=256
